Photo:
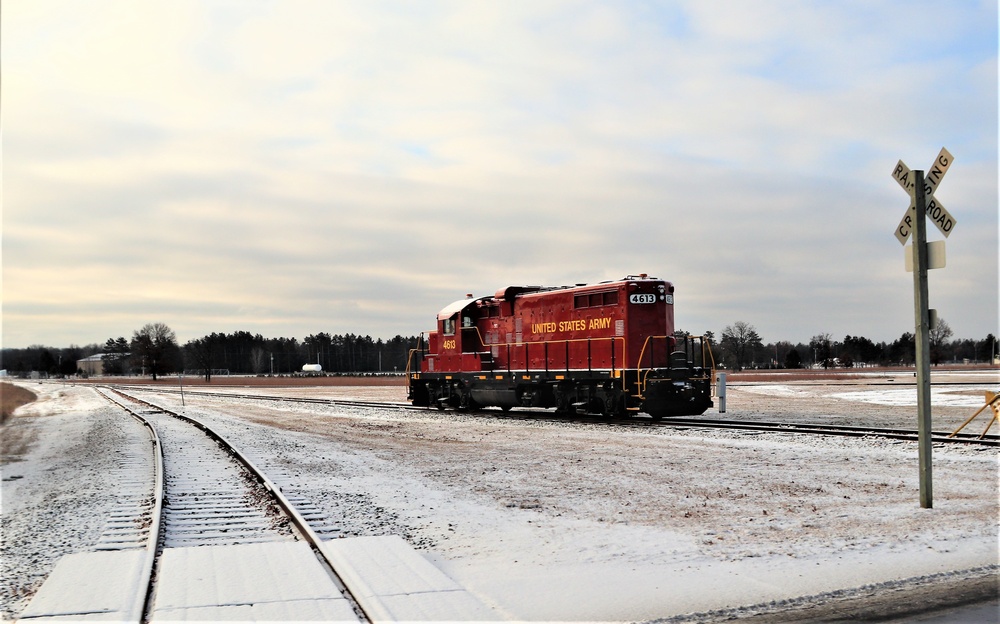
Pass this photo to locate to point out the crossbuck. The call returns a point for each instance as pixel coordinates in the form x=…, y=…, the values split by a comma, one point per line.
x=935, y=209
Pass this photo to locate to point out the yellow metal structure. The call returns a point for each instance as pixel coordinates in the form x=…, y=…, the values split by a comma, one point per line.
x=993, y=402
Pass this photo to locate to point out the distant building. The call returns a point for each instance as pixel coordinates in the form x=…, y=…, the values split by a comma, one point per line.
x=92, y=365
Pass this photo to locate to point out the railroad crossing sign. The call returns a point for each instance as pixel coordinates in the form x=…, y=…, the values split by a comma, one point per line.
x=921, y=191
x=935, y=210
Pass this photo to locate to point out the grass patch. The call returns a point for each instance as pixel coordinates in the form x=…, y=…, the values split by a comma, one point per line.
x=13, y=397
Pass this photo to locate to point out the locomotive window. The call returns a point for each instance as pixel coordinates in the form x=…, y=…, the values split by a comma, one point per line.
x=596, y=299
x=449, y=326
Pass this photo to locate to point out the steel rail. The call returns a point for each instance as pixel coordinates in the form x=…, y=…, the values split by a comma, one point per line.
x=771, y=427
x=137, y=612
x=831, y=430
x=268, y=397
x=301, y=524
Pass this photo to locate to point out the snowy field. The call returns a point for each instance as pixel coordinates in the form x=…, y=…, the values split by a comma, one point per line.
x=572, y=522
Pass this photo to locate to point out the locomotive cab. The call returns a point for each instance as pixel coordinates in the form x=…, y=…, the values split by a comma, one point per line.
x=455, y=344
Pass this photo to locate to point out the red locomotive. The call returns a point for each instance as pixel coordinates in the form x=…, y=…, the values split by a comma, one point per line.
x=606, y=348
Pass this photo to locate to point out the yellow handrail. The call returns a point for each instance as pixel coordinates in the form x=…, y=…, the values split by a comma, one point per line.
x=409, y=359
x=641, y=381
x=705, y=344
x=706, y=353
x=508, y=345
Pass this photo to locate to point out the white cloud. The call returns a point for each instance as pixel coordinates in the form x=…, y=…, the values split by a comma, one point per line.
x=314, y=166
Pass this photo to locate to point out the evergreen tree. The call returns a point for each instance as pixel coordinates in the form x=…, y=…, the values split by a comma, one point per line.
x=793, y=359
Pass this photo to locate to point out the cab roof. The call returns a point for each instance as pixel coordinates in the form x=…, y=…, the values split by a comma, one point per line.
x=453, y=308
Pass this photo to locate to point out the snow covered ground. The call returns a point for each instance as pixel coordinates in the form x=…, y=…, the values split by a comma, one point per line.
x=63, y=460
x=561, y=521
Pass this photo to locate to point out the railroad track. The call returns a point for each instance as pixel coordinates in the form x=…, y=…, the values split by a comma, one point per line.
x=769, y=427
x=201, y=533
x=834, y=430
x=207, y=493
x=269, y=397
x=686, y=423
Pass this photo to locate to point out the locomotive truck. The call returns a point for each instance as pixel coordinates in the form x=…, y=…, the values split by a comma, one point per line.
x=606, y=348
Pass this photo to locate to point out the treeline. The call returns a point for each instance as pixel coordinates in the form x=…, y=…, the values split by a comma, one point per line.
x=245, y=353
x=47, y=360
x=153, y=350
x=741, y=347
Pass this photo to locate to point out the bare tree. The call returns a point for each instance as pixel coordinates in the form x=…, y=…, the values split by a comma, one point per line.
x=822, y=349
x=154, y=348
x=740, y=340
x=937, y=337
x=257, y=360
x=203, y=353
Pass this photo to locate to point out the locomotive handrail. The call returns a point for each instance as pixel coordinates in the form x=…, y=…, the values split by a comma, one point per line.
x=642, y=354
x=409, y=359
x=706, y=354
x=525, y=344
x=643, y=374
x=706, y=342
x=563, y=341
x=641, y=383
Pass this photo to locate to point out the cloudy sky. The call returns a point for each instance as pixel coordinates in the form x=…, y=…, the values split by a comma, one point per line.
x=295, y=167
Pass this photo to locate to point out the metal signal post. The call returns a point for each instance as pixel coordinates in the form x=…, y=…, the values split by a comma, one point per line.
x=923, y=362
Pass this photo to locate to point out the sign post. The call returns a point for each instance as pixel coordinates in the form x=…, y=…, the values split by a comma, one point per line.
x=720, y=391
x=923, y=346
x=923, y=203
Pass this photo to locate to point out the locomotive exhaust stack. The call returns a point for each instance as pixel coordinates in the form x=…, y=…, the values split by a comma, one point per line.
x=606, y=348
